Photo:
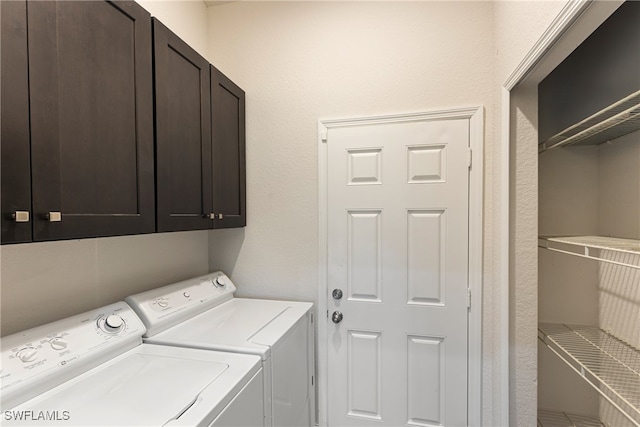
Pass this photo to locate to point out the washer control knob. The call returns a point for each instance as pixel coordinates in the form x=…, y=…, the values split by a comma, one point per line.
x=57, y=343
x=113, y=324
x=220, y=282
x=186, y=294
x=162, y=302
x=27, y=354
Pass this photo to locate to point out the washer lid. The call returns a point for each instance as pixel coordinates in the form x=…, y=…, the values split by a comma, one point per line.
x=149, y=385
x=240, y=325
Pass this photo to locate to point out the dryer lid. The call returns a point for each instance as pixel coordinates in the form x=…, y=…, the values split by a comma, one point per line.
x=241, y=325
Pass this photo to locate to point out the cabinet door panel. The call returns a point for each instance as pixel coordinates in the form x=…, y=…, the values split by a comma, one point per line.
x=91, y=118
x=229, y=158
x=183, y=134
x=16, y=165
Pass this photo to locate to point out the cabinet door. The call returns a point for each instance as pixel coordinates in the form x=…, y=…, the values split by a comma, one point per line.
x=91, y=118
x=229, y=160
x=16, y=165
x=183, y=134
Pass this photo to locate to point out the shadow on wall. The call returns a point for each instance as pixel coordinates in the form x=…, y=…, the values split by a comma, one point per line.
x=224, y=249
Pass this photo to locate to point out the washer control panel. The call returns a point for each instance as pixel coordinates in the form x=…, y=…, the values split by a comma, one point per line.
x=169, y=305
x=69, y=344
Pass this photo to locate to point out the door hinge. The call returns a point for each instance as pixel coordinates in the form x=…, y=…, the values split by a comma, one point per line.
x=470, y=158
x=468, y=298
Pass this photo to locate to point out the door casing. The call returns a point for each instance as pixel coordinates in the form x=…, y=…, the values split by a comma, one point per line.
x=475, y=115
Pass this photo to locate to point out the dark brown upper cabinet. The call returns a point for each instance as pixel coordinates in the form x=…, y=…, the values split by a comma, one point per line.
x=200, y=140
x=183, y=134
x=229, y=160
x=91, y=120
x=14, y=139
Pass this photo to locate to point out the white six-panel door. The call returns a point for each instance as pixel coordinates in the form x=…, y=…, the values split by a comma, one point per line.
x=398, y=239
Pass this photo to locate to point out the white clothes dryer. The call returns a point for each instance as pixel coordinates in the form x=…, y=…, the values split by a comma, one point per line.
x=203, y=313
x=93, y=370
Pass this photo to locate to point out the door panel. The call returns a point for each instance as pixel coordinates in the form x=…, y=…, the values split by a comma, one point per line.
x=425, y=257
x=365, y=369
x=16, y=160
x=228, y=127
x=91, y=118
x=426, y=379
x=364, y=256
x=183, y=134
x=398, y=248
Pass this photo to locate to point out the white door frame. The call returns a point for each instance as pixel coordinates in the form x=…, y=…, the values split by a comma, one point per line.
x=573, y=24
x=476, y=174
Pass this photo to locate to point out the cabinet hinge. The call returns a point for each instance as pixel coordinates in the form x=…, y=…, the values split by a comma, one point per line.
x=470, y=158
x=468, y=298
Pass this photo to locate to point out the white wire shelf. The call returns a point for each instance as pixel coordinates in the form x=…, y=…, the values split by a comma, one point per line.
x=608, y=364
x=614, y=121
x=549, y=418
x=625, y=252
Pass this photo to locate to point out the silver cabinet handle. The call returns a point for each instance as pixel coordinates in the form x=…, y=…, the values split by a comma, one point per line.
x=220, y=216
x=336, y=317
x=20, y=216
x=210, y=216
x=54, y=216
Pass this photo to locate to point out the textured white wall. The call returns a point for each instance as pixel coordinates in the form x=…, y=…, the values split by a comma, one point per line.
x=302, y=61
x=567, y=285
x=43, y=282
x=186, y=18
x=518, y=25
x=588, y=190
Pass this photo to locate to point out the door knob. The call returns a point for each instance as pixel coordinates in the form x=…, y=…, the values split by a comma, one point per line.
x=336, y=317
x=336, y=294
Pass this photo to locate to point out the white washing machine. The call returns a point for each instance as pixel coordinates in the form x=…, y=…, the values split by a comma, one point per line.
x=203, y=313
x=93, y=370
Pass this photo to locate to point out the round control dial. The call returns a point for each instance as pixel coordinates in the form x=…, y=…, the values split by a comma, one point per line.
x=113, y=324
x=57, y=344
x=27, y=354
x=220, y=282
